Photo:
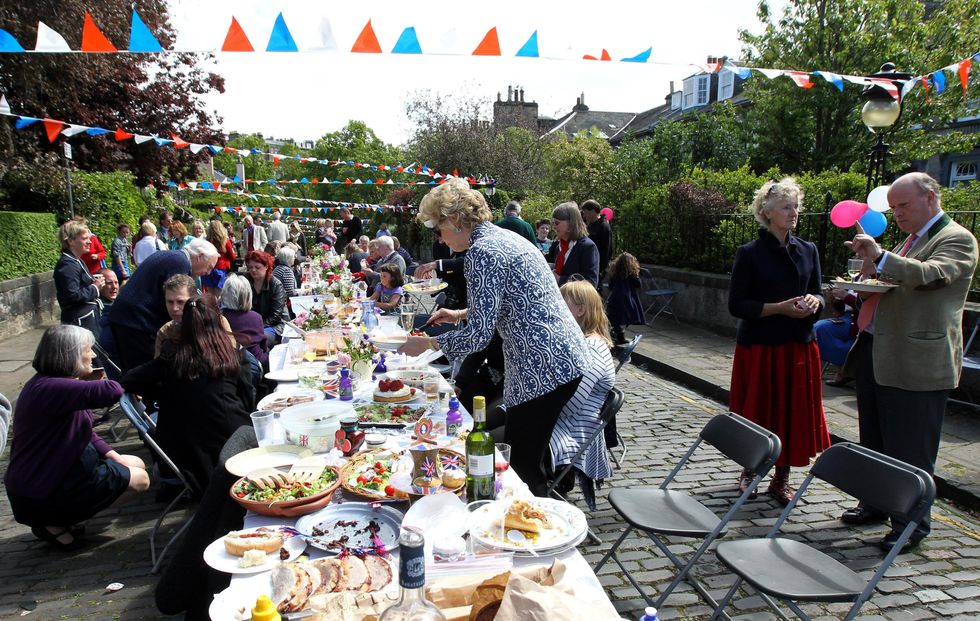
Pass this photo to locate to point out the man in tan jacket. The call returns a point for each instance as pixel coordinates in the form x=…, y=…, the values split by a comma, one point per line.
x=909, y=353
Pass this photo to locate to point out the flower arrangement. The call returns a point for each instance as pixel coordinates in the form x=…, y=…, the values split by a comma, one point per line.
x=332, y=267
x=319, y=250
x=316, y=319
x=342, y=289
x=356, y=349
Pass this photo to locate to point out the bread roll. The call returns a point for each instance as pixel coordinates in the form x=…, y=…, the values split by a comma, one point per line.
x=268, y=540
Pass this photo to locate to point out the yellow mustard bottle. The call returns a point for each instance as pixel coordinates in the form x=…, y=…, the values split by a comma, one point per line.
x=264, y=610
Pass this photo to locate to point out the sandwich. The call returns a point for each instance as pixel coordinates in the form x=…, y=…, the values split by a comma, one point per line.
x=525, y=517
x=267, y=540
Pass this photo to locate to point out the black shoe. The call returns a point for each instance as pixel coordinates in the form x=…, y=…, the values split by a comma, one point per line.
x=58, y=540
x=862, y=515
x=886, y=542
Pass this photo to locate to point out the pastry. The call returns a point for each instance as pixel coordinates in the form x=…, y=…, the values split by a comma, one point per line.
x=523, y=516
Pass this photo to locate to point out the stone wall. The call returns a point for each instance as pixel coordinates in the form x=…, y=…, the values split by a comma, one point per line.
x=26, y=303
x=702, y=298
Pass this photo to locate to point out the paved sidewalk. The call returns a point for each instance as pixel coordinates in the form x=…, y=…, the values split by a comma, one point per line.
x=702, y=360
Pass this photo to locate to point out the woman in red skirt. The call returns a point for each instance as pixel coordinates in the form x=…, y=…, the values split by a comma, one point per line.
x=775, y=293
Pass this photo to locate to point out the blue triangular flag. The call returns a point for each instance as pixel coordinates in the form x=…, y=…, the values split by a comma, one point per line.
x=214, y=149
x=939, y=81
x=171, y=184
x=8, y=43
x=254, y=151
x=642, y=57
x=530, y=48
x=97, y=131
x=280, y=40
x=408, y=43
x=24, y=121
x=304, y=180
x=162, y=141
x=237, y=179
x=833, y=78
x=140, y=37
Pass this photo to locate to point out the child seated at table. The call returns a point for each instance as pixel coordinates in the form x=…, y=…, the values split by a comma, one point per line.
x=388, y=293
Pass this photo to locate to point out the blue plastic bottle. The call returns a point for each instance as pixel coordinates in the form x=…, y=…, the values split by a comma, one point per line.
x=346, y=389
x=650, y=614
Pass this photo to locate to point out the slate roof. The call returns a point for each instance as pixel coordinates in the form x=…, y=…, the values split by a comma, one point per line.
x=607, y=123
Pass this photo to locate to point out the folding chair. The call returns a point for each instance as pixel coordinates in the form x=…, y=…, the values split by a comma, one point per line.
x=969, y=363
x=613, y=437
x=660, y=296
x=793, y=571
x=624, y=356
x=612, y=405
x=144, y=425
x=662, y=512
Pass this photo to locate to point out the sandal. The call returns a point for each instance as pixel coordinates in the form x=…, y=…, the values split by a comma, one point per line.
x=55, y=540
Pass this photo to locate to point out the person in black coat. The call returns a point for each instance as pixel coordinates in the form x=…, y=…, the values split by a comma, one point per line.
x=76, y=288
x=203, y=387
x=577, y=254
x=599, y=232
x=450, y=270
x=351, y=228
x=268, y=294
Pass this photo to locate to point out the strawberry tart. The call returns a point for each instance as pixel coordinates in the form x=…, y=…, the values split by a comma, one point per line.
x=393, y=391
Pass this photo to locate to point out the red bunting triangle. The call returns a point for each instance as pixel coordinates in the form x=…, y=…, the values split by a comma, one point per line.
x=230, y=150
x=92, y=38
x=236, y=40
x=964, y=73
x=275, y=162
x=925, y=86
x=367, y=41
x=801, y=78
x=455, y=172
x=605, y=55
x=53, y=128
x=347, y=181
x=490, y=46
x=122, y=135
x=315, y=180
x=178, y=143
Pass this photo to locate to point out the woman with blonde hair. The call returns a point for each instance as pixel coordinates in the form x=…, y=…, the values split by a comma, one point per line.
x=297, y=236
x=579, y=419
x=510, y=293
x=198, y=230
x=218, y=236
x=775, y=293
x=77, y=289
x=577, y=254
x=148, y=243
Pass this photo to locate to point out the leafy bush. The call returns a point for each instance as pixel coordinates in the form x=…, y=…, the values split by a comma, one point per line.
x=32, y=244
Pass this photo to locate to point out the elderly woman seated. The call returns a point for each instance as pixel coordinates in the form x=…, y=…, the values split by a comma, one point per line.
x=283, y=272
x=246, y=324
x=203, y=387
x=579, y=419
x=61, y=472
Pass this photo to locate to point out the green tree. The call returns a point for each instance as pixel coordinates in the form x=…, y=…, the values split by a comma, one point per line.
x=579, y=168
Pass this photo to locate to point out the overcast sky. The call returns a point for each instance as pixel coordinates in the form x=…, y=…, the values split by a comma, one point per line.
x=304, y=95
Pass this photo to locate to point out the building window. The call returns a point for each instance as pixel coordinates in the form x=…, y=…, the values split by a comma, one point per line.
x=726, y=85
x=688, y=93
x=696, y=91
x=676, y=99
x=703, y=83
x=962, y=173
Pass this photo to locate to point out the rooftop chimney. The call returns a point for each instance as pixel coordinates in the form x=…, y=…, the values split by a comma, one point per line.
x=522, y=95
x=510, y=90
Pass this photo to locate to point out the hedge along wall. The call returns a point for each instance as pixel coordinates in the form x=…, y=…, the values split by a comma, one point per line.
x=31, y=245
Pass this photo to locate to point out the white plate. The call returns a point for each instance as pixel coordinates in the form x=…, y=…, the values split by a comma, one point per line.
x=266, y=457
x=283, y=375
x=570, y=523
x=388, y=518
x=218, y=558
x=288, y=391
x=417, y=290
x=864, y=287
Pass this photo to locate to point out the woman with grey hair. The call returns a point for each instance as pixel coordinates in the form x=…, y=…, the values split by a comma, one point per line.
x=284, y=270
x=576, y=254
x=775, y=293
x=246, y=324
x=61, y=472
x=510, y=293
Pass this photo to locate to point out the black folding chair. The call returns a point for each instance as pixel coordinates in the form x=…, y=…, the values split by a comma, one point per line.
x=793, y=571
x=661, y=512
x=624, y=356
x=613, y=437
x=136, y=413
x=612, y=405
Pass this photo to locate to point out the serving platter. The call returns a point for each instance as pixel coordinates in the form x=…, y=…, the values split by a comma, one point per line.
x=350, y=524
x=266, y=457
x=569, y=523
x=864, y=287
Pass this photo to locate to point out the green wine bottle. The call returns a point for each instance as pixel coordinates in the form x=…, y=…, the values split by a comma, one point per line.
x=479, y=456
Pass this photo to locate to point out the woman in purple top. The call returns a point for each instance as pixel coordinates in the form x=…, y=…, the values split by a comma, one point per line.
x=61, y=472
x=246, y=324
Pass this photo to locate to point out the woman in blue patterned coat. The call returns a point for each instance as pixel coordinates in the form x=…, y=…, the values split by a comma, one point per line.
x=510, y=291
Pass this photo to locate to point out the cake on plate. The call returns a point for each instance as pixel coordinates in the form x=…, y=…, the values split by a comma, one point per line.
x=392, y=391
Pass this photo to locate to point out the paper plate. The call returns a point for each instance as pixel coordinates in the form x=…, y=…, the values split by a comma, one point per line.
x=218, y=558
x=865, y=287
x=266, y=457
x=283, y=375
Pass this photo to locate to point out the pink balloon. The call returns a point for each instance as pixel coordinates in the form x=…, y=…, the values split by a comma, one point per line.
x=605, y=211
x=846, y=213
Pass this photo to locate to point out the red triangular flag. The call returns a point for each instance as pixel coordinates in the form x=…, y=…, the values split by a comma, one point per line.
x=925, y=85
x=801, y=78
x=275, y=162
x=92, y=38
x=122, y=135
x=315, y=180
x=605, y=55
x=230, y=150
x=490, y=46
x=236, y=39
x=53, y=128
x=367, y=41
x=964, y=73
x=178, y=143
x=455, y=172
x=347, y=181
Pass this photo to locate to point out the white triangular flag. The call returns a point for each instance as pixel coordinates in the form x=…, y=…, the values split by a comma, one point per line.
x=140, y=138
x=771, y=73
x=196, y=148
x=327, y=41
x=4, y=106
x=73, y=130
x=49, y=41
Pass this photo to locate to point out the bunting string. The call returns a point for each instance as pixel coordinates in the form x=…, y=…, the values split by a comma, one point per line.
x=319, y=204
x=325, y=181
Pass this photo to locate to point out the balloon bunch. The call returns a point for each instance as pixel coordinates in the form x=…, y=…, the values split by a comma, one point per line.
x=871, y=215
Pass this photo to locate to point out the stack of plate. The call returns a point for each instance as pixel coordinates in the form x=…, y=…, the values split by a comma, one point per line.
x=570, y=528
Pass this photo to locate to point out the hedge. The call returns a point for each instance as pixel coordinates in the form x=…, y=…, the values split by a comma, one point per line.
x=32, y=246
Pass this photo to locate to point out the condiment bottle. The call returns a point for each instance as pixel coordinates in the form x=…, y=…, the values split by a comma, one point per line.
x=346, y=389
x=264, y=610
x=352, y=433
x=454, y=420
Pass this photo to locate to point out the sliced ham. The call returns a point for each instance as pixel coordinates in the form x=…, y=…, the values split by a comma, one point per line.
x=359, y=579
x=379, y=570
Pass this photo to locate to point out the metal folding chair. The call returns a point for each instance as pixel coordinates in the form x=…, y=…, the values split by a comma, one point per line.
x=970, y=363
x=612, y=405
x=610, y=430
x=659, y=295
x=793, y=571
x=135, y=412
x=661, y=512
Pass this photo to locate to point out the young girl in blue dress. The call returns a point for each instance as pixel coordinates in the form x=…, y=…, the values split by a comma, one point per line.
x=388, y=293
x=623, y=306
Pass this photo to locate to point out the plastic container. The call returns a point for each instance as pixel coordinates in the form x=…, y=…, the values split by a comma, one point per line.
x=315, y=425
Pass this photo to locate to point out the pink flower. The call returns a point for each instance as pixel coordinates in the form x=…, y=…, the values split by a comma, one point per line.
x=343, y=359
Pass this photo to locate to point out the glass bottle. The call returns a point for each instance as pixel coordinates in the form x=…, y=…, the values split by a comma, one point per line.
x=479, y=456
x=411, y=605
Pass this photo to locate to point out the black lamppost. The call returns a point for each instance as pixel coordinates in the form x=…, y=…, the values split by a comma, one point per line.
x=880, y=112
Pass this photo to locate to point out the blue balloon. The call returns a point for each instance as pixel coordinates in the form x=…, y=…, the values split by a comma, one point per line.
x=874, y=223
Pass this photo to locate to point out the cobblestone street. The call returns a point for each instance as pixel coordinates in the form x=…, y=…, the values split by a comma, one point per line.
x=940, y=579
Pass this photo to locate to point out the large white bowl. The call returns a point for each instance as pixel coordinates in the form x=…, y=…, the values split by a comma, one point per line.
x=314, y=425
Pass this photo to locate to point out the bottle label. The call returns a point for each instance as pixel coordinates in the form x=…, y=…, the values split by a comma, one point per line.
x=411, y=568
x=479, y=465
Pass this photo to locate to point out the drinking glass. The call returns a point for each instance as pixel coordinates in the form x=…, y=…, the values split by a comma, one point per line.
x=447, y=389
x=407, y=314
x=854, y=267
x=297, y=349
x=431, y=388
x=502, y=460
x=267, y=429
